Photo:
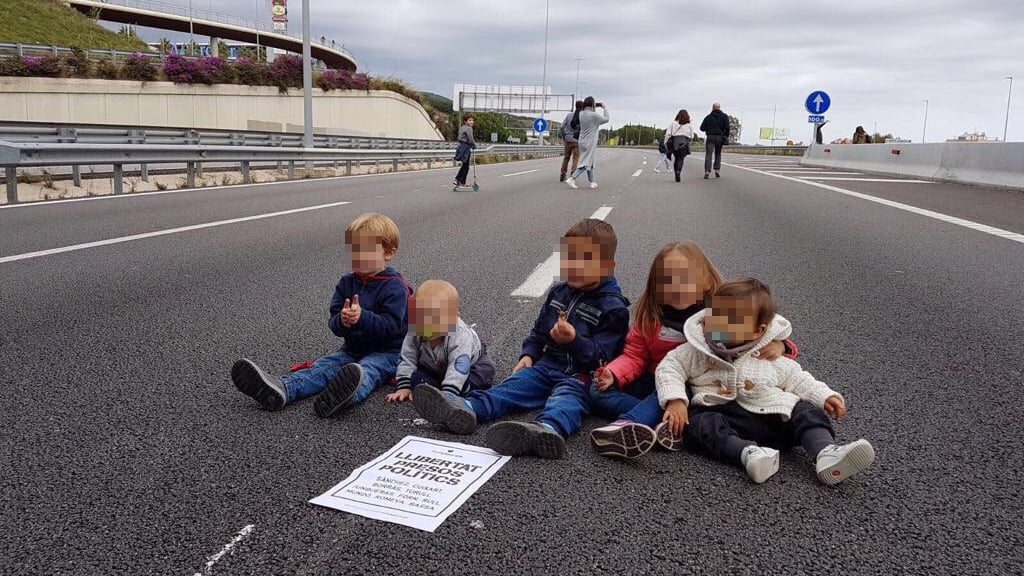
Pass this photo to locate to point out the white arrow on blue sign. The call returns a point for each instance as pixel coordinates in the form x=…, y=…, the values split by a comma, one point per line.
x=540, y=125
x=817, y=102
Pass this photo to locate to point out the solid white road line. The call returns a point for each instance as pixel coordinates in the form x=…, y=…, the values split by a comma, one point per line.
x=227, y=548
x=546, y=273
x=906, y=207
x=803, y=173
x=518, y=173
x=50, y=252
x=899, y=180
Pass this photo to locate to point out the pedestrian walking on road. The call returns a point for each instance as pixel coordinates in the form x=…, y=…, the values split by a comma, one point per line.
x=716, y=129
x=590, y=128
x=571, y=137
x=464, y=151
x=666, y=156
x=677, y=139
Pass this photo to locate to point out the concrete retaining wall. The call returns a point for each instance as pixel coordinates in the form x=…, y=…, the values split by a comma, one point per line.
x=986, y=163
x=227, y=107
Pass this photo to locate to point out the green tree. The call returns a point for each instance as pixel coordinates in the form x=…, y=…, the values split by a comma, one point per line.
x=735, y=130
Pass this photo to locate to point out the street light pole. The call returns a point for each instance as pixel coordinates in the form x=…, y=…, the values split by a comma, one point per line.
x=576, y=93
x=1009, y=94
x=544, y=76
x=924, y=131
x=775, y=111
x=191, y=35
x=307, y=84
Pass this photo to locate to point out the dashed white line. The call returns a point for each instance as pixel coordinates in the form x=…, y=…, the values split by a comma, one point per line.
x=900, y=206
x=545, y=274
x=75, y=247
x=227, y=548
x=638, y=172
x=518, y=173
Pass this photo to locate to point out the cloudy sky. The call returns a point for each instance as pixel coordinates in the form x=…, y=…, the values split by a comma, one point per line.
x=878, y=59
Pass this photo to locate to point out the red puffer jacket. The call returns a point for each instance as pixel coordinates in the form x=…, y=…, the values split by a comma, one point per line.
x=644, y=351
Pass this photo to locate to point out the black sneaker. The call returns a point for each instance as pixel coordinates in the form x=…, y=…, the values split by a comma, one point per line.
x=622, y=440
x=706, y=175
x=444, y=409
x=268, y=391
x=717, y=175
x=519, y=438
x=677, y=176
x=340, y=389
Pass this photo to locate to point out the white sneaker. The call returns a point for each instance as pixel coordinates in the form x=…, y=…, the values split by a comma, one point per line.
x=836, y=463
x=657, y=170
x=761, y=463
x=593, y=185
x=571, y=182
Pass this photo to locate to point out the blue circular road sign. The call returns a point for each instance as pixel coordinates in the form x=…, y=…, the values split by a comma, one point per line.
x=540, y=125
x=818, y=102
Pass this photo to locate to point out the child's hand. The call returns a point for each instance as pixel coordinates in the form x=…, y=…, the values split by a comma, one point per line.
x=835, y=407
x=605, y=379
x=676, y=416
x=351, y=312
x=563, y=332
x=399, y=396
x=524, y=362
x=771, y=351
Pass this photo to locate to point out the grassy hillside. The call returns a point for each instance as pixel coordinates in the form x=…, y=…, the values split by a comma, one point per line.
x=49, y=22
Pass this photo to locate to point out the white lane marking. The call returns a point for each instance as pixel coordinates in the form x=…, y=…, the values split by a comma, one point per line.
x=804, y=173
x=545, y=274
x=900, y=206
x=518, y=173
x=52, y=251
x=638, y=172
x=227, y=548
x=898, y=180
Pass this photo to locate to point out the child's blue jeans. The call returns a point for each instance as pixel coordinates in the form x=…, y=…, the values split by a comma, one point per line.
x=378, y=367
x=563, y=397
x=637, y=402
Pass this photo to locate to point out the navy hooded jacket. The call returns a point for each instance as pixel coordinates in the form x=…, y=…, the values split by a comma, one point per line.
x=384, y=299
x=600, y=317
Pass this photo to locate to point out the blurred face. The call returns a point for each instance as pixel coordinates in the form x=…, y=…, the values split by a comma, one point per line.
x=368, y=254
x=732, y=321
x=434, y=316
x=470, y=122
x=679, y=283
x=581, y=266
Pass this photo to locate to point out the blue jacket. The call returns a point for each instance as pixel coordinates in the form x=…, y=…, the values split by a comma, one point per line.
x=600, y=317
x=384, y=320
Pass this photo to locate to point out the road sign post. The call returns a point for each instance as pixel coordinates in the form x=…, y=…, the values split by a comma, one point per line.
x=817, y=103
x=540, y=126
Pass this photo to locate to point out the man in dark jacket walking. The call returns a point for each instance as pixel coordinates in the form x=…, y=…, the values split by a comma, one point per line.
x=716, y=128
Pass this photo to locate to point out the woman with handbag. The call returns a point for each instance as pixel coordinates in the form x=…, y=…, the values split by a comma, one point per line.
x=677, y=139
x=463, y=152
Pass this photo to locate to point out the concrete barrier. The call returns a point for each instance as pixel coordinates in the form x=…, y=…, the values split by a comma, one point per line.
x=987, y=163
x=225, y=107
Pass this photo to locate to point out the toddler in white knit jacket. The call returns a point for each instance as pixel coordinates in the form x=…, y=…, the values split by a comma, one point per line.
x=743, y=408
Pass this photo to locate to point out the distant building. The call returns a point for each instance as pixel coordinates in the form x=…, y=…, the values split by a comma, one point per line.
x=973, y=137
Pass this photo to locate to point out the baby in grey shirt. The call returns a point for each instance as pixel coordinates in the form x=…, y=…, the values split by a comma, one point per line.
x=440, y=349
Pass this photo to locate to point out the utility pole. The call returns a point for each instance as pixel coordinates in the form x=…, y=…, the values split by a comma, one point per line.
x=924, y=131
x=1006, y=124
x=307, y=85
x=544, y=76
x=576, y=93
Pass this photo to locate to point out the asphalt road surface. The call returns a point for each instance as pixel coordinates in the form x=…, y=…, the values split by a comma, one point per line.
x=126, y=450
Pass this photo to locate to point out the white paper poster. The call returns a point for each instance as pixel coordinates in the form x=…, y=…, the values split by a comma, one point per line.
x=419, y=482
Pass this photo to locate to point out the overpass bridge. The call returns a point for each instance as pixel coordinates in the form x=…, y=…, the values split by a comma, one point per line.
x=180, y=19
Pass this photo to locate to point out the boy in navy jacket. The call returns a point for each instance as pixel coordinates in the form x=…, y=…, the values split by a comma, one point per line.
x=582, y=325
x=369, y=310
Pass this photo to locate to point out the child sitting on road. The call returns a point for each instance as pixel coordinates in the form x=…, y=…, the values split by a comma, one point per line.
x=680, y=283
x=739, y=404
x=369, y=310
x=583, y=323
x=443, y=352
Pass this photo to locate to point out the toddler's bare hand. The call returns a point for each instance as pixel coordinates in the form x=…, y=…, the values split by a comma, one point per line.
x=835, y=407
x=524, y=362
x=399, y=396
x=772, y=351
x=676, y=416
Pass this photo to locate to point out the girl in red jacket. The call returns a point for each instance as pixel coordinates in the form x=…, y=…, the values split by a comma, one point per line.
x=681, y=280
